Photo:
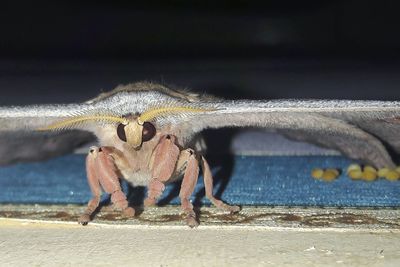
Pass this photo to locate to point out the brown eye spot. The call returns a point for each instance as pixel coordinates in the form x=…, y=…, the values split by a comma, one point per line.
x=149, y=131
x=121, y=132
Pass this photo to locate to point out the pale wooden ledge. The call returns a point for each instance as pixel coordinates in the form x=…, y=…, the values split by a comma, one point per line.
x=36, y=235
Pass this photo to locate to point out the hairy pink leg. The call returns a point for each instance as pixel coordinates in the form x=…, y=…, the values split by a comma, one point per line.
x=109, y=180
x=165, y=158
x=94, y=185
x=187, y=187
x=208, y=182
x=102, y=171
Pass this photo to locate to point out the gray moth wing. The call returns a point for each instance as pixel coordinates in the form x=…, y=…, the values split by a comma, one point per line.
x=359, y=129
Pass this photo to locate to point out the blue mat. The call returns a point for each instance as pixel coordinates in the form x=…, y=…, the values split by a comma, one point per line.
x=250, y=180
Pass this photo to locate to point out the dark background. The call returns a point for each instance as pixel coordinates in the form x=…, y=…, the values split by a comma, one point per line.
x=65, y=51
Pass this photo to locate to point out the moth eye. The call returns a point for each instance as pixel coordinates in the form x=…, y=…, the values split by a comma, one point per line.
x=121, y=132
x=149, y=131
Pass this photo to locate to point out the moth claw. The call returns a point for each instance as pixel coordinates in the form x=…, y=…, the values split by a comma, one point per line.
x=128, y=212
x=234, y=209
x=191, y=221
x=84, y=219
x=149, y=202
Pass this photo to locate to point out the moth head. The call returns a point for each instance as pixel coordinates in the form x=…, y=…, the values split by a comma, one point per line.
x=138, y=130
x=135, y=132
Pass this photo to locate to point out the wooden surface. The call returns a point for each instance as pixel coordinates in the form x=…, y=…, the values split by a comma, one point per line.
x=50, y=236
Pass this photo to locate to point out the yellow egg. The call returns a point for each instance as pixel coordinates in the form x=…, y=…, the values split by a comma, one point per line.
x=317, y=173
x=334, y=171
x=329, y=175
x=355, y=174
x=369, y=168
x=353, y=167
x=369, y=176
x=382, y=172
x=392, y=175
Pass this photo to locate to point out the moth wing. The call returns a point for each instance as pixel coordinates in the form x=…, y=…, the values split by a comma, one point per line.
x=20, y=141
x=359, y=129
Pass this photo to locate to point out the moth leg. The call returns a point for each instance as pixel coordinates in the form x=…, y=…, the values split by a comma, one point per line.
x=94, y=185
x=208, y=183
x=109, y=180
x=102, y=171
x=166, y=156
x=189, y=182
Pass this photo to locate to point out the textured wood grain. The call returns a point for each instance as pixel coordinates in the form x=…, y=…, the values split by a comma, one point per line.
x=44, y=244
x=36, y=235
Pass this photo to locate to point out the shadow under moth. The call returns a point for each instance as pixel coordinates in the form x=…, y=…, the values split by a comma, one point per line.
x=146, y=134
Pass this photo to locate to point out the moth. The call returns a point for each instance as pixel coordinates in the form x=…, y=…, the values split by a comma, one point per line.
x=147, y=135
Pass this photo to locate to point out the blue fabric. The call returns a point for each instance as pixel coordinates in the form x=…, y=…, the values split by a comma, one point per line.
x=252, y=180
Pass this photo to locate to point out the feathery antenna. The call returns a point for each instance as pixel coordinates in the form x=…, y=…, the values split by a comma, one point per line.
x=74, y=121
x=153, y=113
x=146, y=116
